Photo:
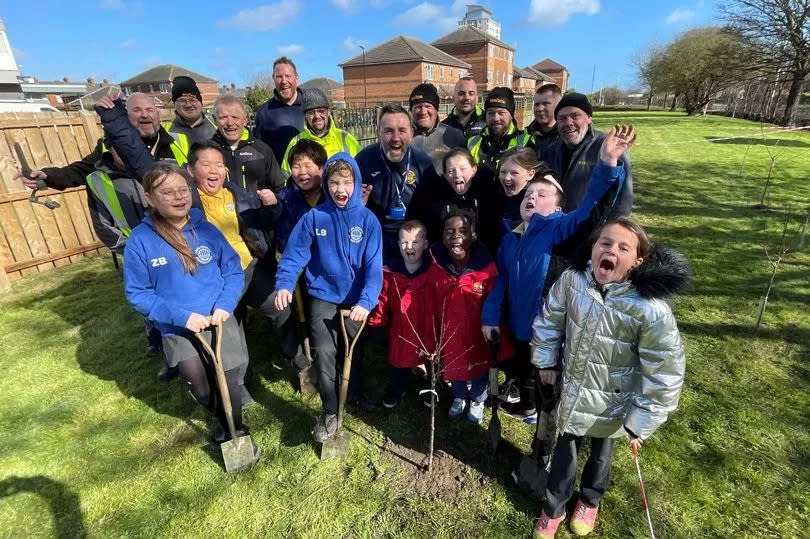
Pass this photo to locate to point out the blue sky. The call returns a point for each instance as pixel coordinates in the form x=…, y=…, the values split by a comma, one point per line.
x=233, y=41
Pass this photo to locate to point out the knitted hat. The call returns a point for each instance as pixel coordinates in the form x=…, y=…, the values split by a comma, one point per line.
x=314, y=98
x=183, y=86
x=574, y=99
x=501, y=97
x=424, y=93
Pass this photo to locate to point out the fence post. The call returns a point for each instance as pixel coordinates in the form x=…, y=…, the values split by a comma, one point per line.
x=91, y=128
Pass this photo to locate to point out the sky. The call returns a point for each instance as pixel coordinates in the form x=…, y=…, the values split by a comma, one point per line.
x=236, y=41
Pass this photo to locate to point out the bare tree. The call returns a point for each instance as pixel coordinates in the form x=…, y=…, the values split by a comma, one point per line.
x=649, y=64
x=778, y=32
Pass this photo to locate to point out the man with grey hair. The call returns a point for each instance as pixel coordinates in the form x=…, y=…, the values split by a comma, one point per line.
x=251, y=163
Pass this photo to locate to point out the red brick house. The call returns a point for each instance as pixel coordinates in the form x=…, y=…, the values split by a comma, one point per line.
x=157, y=82
x=557, y=72
x=491, y=59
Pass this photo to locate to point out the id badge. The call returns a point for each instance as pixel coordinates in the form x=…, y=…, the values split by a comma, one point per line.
x=397, y=210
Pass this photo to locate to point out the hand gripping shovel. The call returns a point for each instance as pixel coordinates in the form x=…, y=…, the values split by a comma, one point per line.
x=41, y=185
x=494, y=429
x=239, y=452
x=338, y=445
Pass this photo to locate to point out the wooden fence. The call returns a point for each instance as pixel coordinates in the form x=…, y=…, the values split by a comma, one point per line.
x=34, y=238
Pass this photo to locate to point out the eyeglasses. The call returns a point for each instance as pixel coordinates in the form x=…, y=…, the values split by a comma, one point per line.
x=186, y=101
x=183, y=192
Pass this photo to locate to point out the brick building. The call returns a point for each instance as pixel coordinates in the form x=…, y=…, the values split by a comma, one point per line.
x=157, y=82
x=391, y=70
x=523, y=81
x=557, y=72
x=491, y=59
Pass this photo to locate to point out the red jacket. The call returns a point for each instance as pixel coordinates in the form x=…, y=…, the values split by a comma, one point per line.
x=458, y=300
x=405, y=296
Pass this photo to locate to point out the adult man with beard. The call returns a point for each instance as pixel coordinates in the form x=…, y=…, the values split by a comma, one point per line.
x=501, y=132
x=391, y=170
x=189, y=118
x=281, y=117
x=466, y=115
x=431, y=137
x=575, y=154
x=544, y=126
x=251, y=163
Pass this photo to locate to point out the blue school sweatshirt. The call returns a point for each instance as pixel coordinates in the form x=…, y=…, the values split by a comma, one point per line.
x=340, y=249
x=157, y=285
x=524, y=256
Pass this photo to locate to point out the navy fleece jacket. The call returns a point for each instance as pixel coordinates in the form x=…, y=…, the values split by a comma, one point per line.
x=340, y=249
x=157, y=285
x=523, y=258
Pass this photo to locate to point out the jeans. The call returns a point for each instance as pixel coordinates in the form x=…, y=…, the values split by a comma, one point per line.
x=475, y=390
x=595, y=475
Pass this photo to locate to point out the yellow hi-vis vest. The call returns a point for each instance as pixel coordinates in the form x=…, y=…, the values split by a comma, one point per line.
x=474, y=145
x=101, y=185
x=179, y=147
x=335, y=140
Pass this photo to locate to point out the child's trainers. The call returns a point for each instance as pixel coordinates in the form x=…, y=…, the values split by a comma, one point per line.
x=584, y=518
x=509, y=392
x=476, y=413
x=546, y=527
x=457, y=408
x=391, y=399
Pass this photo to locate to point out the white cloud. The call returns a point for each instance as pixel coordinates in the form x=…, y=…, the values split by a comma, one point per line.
x=556, y=12
x=263, y=18
x=426, y=13
x=680, y=15
x=345, y=5
x=127, y=44
x=353, y=45
x=293, y=49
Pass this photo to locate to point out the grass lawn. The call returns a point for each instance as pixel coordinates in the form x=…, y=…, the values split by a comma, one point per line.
x=91, y=444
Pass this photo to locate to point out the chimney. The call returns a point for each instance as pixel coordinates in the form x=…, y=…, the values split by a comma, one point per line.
x=105, y=82
x=233, y=86
x=91, y=81
x=65, y=79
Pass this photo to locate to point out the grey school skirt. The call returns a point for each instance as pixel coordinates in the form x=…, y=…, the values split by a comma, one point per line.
x=179, y=348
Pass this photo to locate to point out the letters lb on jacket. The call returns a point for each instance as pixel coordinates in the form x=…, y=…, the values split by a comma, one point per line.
x=157, y=285
x=623, y=361
x=339, y=249
x=406, y=307
x=457, y=300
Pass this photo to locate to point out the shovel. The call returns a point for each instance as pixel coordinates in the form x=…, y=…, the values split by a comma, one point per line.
x=25, y=169
x=338, y=445
x=305, y=382
x=494, y=429
x=239, y=452
x=532, y=474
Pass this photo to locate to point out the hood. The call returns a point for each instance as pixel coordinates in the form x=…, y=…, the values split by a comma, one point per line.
x=195, y=217
x=664, y=273
x=479, y=258
x=356, y=200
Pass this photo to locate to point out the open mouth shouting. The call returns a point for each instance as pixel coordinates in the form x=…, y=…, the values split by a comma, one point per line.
x=212, y=184
x=341, y=199
x=604, y=270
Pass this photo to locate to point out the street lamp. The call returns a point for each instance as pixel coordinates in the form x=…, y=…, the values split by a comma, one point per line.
x=365, y=91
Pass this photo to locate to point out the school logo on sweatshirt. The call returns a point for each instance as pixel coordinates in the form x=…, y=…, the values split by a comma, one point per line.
x=229, y=207
x=356, y=234
x=411, y=178
x=478, y=288
x=203, y=254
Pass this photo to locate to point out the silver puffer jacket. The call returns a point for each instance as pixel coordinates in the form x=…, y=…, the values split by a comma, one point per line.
x=623, y=363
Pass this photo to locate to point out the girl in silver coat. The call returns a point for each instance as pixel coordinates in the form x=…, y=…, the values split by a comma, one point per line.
x=623, y=361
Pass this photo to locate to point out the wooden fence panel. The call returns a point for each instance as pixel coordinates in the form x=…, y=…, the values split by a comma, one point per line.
x=32, y=237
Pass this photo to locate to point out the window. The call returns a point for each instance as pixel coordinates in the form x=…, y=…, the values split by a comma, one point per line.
x=428, y=72
x=491, y=51
x=164, y=87
x=462, y=73
x=509, y=80
x=441, y=72
x=489, y=77
x=127, y=90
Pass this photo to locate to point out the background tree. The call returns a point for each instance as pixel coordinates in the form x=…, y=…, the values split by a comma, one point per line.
x=778, y=32
x=650, y=66
x=259, y=90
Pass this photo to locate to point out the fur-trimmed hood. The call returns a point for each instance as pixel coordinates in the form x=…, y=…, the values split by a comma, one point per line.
x=664, y=273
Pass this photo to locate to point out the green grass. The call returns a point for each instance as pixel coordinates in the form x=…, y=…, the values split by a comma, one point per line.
x=91, y=444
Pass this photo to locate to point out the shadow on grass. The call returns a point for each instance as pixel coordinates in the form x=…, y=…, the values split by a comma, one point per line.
x=745, y=141
x=66, y=510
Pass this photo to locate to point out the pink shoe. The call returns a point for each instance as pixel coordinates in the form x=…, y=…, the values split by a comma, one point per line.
x=546, y=527
x=584, y=519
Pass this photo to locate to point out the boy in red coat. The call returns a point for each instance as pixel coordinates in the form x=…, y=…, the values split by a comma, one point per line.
x=461, y=276
x=405, y=307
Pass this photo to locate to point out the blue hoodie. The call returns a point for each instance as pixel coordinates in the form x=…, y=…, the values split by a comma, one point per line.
x=340, y=248
x=157, y=285
x=523, y=258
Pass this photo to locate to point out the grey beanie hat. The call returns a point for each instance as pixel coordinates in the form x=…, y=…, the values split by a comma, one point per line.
x=314, y=98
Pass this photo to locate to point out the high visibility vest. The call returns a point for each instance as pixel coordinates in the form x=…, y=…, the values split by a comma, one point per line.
x=335, y=140
x=179, y=147
x=474, y=145
x=101, y=185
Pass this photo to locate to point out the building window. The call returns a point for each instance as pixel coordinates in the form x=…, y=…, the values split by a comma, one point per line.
x=489, y=77
x=164, y=87
x=127, y=90
x=491, y=51
x=441, y=72
x=428, y=72
x=509, y=80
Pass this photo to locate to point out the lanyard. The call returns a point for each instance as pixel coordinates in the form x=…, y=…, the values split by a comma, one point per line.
x=403, y=179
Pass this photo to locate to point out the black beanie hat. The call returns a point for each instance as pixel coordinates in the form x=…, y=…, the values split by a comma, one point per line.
x=185, y=86
x=502, y=97
x=424, y=93
x=574, y=99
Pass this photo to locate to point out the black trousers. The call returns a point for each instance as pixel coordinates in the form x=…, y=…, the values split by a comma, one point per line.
x=595, y=475
x=324, y=330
